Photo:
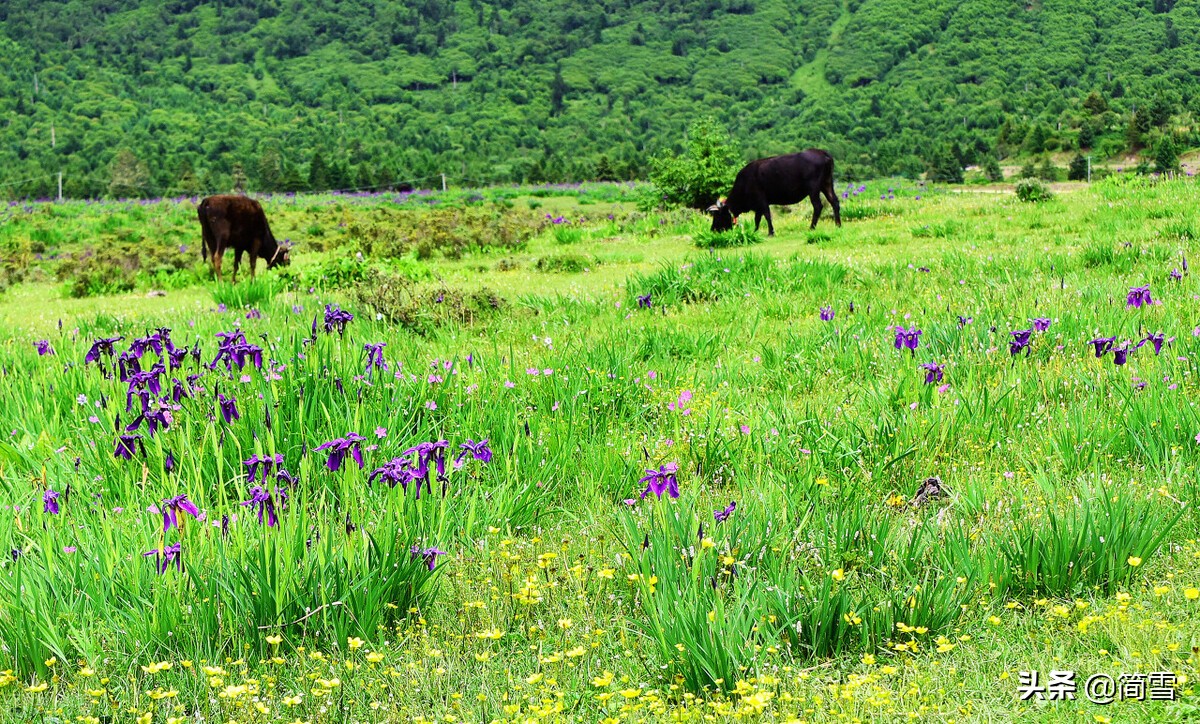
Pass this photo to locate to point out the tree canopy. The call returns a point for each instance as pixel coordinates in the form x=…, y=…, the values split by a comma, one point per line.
x=153, y=97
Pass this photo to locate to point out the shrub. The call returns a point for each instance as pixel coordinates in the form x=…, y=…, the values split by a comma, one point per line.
x=339, y=272
x=568, y=234
x=115, y=267
x=739, y=235
x=567, y=263
x=1033, y=191
x=697, y=178
x=450, y=232
x=421, y=309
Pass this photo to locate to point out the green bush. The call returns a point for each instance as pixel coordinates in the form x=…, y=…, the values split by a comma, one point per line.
x=739, y=235
x=703, y=173
x=566, y=263
x=1033, y=191
x=422, y=308
x=116, y=267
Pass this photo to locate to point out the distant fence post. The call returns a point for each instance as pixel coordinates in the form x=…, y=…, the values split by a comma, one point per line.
x=60, y=186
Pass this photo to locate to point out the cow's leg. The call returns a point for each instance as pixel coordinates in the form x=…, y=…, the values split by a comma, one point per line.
x=757, y=219
x=216, y=264
x=816, y=202
x=253, y=260
x=770, y=226
x=237, y=261
x=831, y=194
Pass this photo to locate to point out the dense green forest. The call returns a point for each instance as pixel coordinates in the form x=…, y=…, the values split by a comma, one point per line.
x=153, y=97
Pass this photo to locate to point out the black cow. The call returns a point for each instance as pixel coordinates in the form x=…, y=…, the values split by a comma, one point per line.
x=239, y=222
x=779, y=180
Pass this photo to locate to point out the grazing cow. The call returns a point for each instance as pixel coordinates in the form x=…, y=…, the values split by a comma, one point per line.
x=778, y=180
x=239, y=222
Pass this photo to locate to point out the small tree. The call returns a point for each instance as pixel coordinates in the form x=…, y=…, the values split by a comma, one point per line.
x=1166, y=156
x=1028, y=170
x=130, y=175
x=991, y=169
x=1078, y=170
x=705, y=170
x=944, y=167
x=1047, y=171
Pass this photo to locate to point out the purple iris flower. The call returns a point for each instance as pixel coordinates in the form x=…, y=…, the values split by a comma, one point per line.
x=128, y=364
x=1020, y=341
x=661, y=481
x=1138, y=296
x=229, y=409
x=169, y=463
x=478, y=450
x=164, y=558
x=397, y=471
x=826, y=314
x=1103, y=345
x=265, y=462
x=127, y=445
x=100, y=348
x=178, y=391
x=50, y=502
x=254, y=314
x=1176, y=274
x=375, y=357
x=176, y=357
x=1121, y=354
x=429, y=555
x=155, y=418
x=427, y=451
x=723, y=515
x=964, y=321
x=1157, y=339
x=933, y=372
x=171, y=509
x=337, y=319
x=908, y=338
x=1041, y=324
x=339, y=446
x=43, y=347
x=645, y=301
x=265, y=503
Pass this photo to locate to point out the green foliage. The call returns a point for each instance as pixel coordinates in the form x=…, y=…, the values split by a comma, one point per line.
x=1085, y=548
x=1047, y=171
x=564, y=263
x=1078, y=170
x=739, y=235
x=110, y=268
x=943, y=166
x=1033, y=190
x=446, y=232
x=245, y=293
x=1166, y=156
x=364, y=94
x=702, y=173
x=991, y=169
x=422, y=308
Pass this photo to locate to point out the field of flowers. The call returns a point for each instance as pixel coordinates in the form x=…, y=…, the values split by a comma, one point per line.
x=857, y=474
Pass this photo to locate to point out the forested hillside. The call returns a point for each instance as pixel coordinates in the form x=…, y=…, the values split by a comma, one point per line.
x=151, y=97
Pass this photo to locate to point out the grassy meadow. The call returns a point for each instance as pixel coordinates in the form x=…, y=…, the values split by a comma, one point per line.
x=698, y=497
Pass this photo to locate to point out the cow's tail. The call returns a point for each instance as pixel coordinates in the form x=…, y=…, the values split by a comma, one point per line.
x=202, y=212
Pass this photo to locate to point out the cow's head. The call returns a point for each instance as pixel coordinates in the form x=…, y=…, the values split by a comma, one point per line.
x=281, y=257
x=723, y=218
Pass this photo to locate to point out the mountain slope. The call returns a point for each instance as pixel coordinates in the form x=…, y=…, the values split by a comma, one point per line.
x=145, y=97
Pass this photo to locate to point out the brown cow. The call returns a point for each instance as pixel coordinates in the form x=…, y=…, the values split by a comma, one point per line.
x=239, y=222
